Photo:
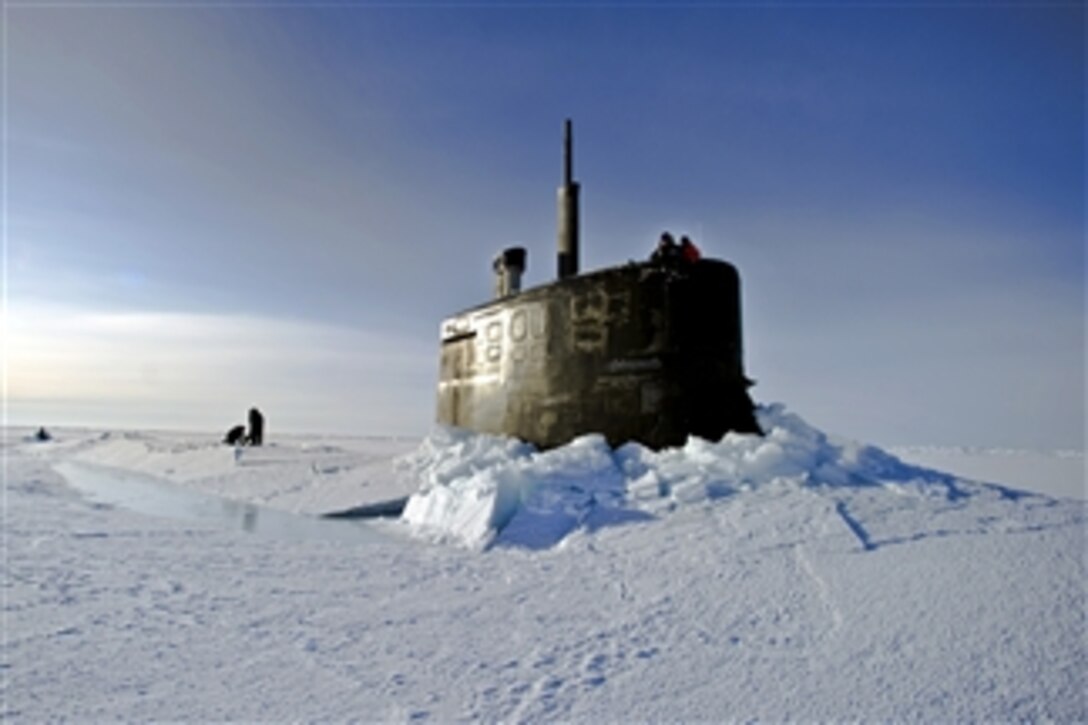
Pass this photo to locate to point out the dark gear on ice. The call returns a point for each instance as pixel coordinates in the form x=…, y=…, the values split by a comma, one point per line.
x=235, y=435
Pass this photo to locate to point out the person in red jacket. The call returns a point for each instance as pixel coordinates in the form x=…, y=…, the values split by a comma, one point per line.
x=688, y=251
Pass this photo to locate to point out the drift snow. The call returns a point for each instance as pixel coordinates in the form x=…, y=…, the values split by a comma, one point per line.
x=793, y=576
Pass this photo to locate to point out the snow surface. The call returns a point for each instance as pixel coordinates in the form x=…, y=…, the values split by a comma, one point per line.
x=1058, y=473
x=794, y=576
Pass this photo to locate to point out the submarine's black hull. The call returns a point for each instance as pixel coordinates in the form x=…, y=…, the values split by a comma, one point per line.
x=647, y=352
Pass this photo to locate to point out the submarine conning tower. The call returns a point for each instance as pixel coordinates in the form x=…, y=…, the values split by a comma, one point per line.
x=649, y=351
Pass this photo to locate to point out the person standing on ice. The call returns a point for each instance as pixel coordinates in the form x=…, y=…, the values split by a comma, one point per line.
x=256, y=428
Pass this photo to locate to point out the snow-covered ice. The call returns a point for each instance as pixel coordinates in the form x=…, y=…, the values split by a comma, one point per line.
x=794, y=576
x=1058, y=472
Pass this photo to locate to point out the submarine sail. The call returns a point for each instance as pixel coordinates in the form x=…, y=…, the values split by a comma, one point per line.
x=648, y=352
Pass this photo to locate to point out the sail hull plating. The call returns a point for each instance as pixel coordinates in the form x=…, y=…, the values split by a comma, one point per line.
x=646, y=352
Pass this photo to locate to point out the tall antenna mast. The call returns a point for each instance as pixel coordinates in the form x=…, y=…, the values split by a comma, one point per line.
x=568, y=209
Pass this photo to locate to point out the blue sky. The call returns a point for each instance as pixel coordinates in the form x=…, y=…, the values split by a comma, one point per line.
x=219, y=206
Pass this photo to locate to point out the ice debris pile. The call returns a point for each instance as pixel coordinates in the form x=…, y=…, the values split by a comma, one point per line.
x=480, y=490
